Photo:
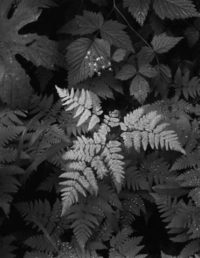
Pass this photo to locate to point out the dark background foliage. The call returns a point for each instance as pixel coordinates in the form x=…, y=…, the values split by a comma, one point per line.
x=136, y=196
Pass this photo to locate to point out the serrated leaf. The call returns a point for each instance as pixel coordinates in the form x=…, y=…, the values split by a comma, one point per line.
x=79, y=64
x=15, y=88
x=163, y=43
x=87, y=23
x=119, y=55
x=127, y=72
x=175, y=9
x=138, y=8
x=164, y=70
x=42, y=52
x=145, y=56
x=114, y=33
x=148, y=71
x=139, y=88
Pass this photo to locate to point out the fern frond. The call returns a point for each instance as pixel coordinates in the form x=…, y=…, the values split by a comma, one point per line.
x=68, y=123
x=11, y=117
x=122, y=245
x=135, y=180
x=191, y=178
x=114, y=160
x=156, y=169
x=84, y=219
x=152, y=171
x=41, y=105
x=10, y=133
x=141, y=130
x=39, y=243
x=76, y=184
x=46, y=144
x=132, y=206
x=177, y=215
x=102, y=86
x=110, y=121
x=47, y=220
x=190, y=160
x=89, y=157
x=107, y=193
x=39, y=215
x=190, y=249
x=8, y=155
x=189, y=87
x=86, y=105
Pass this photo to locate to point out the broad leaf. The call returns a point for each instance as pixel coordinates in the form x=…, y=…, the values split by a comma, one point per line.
x=148, y=71
x=110, y=30
x=138, y=8
x=14, y=83
x=139, y=88
x=86, y=57
x=127, y=72
x=145, y=56
x=119, y=55
x=114, y=33
x=88, y=23
x=175, y=9
x=163, y=43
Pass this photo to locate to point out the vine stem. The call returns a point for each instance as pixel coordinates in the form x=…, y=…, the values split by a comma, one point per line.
x=133, y=30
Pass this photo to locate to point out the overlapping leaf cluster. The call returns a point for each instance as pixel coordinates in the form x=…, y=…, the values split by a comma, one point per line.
x=86, y=169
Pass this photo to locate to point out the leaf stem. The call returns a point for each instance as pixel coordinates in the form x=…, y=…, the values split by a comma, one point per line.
x=133, y=30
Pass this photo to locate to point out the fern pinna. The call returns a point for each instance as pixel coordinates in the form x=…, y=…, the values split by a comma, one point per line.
x=99, y=129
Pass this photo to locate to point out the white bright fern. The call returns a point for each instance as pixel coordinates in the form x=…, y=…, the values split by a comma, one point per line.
x=85, y=104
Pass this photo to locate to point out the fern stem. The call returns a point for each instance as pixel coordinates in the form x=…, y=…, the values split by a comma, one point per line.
x=46, y=234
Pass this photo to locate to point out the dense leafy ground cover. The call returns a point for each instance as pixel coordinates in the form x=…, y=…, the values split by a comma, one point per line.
x=99, y=128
